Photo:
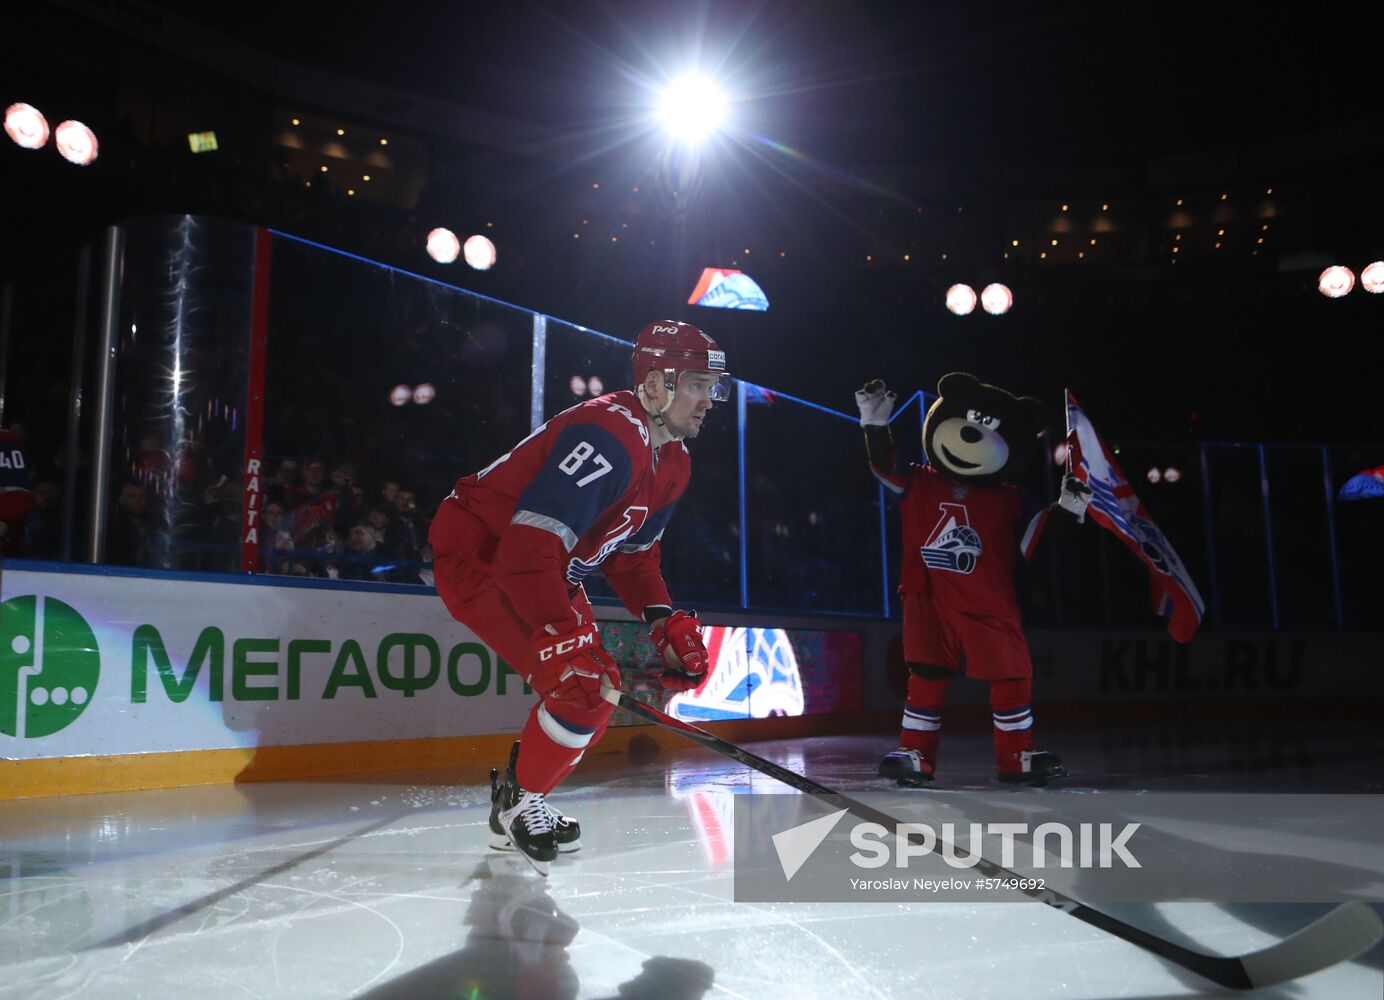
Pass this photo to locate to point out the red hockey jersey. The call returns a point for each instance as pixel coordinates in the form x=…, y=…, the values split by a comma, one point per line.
x=584, y=490
x=960, y=542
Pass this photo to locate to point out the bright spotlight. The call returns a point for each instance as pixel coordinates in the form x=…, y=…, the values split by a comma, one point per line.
x=480, y=253
x=1154, y=475
x=996, y=299
x=424, y=394
x=443, y=246
x=961, y=299
x=26, y=125
x=1336, y=281
x=75, y=142
x=577, y=385
x=692, y=108
x=400, y=395
x=1059, y=454
x=1372, y=278
x=596, y=385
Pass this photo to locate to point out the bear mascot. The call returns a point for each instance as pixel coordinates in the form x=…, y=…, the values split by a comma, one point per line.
x=963, y=531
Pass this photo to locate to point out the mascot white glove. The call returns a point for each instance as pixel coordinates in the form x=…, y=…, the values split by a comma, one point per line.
x=1075, y=497
x=876, y=402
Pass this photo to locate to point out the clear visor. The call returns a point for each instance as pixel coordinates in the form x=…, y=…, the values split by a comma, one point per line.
x=714, y=386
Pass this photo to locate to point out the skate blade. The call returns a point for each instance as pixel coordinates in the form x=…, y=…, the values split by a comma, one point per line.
x=539, y=866
x=499, y=842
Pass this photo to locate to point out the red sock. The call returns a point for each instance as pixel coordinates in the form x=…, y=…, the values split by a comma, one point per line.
x=554, y=739
x=1013, y=719
x=595, y=738
x=922, y=714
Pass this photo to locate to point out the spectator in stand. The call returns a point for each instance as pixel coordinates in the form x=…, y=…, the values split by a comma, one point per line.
x=406, y=512
x=16, y=491
x=379, y=522
x=361, y=557
x=281, y=488
x=314, y=482
x=43, y=535
x=128, y=542
x=276, y=542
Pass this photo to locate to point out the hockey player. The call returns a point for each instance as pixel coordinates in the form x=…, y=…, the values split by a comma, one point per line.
x=592, y=488
x=961, y=533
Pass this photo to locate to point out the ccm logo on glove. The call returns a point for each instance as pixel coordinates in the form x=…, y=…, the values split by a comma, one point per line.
x=569, y=645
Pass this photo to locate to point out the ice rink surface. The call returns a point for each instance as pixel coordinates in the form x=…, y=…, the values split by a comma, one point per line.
x=382, y=886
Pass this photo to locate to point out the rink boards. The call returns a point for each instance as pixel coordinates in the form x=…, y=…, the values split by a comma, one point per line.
x=117, y=679
x=113, y=679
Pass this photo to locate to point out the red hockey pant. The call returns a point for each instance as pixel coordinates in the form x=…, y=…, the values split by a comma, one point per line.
x=557, y=732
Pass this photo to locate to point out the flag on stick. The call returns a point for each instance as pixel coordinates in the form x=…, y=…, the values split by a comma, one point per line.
x=1116, y=509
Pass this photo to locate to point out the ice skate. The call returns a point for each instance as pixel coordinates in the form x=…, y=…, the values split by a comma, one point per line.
x=1036, y=768
x=908, y=767
x=566, y=830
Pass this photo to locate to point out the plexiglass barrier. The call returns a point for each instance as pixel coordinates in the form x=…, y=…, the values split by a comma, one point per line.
x=179, y=419
x=367, y=391
x=381, y=389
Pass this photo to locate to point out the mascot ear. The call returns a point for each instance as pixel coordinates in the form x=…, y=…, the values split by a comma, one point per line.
x=957, y=384
x=1037, y=413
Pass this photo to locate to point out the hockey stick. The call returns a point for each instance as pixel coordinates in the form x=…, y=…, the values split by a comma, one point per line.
x=1339, y=936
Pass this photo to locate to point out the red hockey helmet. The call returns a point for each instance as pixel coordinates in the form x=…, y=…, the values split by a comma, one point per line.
x=673, y=348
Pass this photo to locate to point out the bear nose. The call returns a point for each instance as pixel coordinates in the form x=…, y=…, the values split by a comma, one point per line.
x=970, y=434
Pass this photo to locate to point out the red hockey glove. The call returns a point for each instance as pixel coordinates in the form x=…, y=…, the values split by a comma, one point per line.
x=570, y=666
x=679, y=641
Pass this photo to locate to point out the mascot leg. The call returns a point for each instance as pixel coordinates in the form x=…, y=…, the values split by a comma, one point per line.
x=915, y=761
x=1015, y=759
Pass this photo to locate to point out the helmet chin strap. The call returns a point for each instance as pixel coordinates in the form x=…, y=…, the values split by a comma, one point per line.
x=656, y=412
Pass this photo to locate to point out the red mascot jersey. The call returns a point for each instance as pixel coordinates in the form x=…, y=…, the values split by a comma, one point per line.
x=585, y=489
x=960, y=544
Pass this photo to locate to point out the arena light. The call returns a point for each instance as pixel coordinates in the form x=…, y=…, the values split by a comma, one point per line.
x=577, y=385
x=596, y=385
x=480, y=253
x=1059, y=454
x=961, y=299
x=1336, y=281
x=996, y=299
x=692, y=108
x=424, y=394
x=26, y=125
x=400, y=395
x=443, y=245
x=1153, y=475
x=1372, y=278
x=1172, y=474
x=202, y=142
x=75, y=142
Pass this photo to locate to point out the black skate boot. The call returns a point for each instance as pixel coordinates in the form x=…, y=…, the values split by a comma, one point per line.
x=566, y=830
x=524, y=820
x=908, y=767
x=1036, y=768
